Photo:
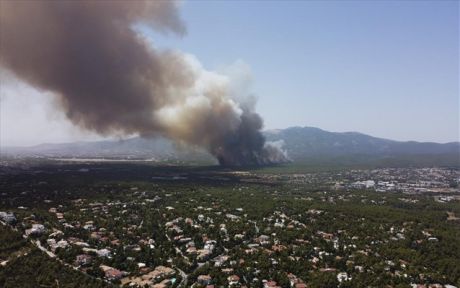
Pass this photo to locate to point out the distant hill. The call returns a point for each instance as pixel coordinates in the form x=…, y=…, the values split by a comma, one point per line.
x=303, y=145
x=158, y=149
x=309, y=144
x=308, y=141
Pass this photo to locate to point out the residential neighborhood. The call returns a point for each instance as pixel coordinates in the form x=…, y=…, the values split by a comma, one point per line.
x=246, y=233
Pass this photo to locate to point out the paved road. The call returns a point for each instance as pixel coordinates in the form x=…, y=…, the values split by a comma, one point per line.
x=39, y=246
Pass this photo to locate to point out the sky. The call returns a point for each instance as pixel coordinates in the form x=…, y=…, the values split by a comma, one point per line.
x=385, y=68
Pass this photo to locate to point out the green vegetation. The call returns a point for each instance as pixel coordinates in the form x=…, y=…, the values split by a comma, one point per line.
x=37, y=270
x=29, y=267
x=221, y=223
x=11, y=243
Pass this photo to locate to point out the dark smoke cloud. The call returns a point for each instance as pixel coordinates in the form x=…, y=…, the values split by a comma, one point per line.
x=109, y=80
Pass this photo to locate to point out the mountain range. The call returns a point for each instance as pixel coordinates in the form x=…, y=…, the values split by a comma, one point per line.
x=314, y=145
x=302, y=144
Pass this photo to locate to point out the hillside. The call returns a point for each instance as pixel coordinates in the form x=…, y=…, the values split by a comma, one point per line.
x=303, y=144
x=313, y=145
x=157, y=149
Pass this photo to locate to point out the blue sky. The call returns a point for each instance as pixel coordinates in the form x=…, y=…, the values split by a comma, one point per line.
x=386, y=68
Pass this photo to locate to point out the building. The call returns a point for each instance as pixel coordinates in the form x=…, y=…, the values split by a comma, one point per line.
x=103, y=252
x=111, y=273
x=343, y=276
x=83, y=260
x=7, y=217
x=36, y=230
x=204, y=280
x=233, y=280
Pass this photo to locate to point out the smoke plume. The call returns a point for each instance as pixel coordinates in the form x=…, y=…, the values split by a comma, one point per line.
x=108, y=79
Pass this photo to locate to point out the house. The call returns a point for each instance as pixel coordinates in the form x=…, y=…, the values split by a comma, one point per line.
x=163, y=284
x=295, y=282
x=220, y=260
x=343, y=276
x=36, y=230
x=209, y=245
x=191, y=250
x=232, y=217
x=278, y=248
x=233, y=280
x=152, y=278
x=238, y=236
x=62, y=244
x=83, y=260
x=159, y=273
x=103, y=252
x=203, y=254
x=227, y=270
x=8, y=218
x=270, y=284
x=204, y=280
x=111, y=273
